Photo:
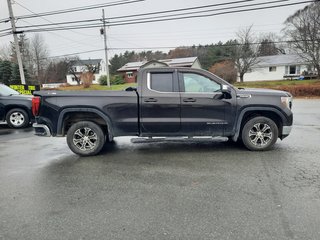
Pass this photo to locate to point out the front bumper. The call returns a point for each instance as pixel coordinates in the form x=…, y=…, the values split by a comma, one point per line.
x=41, y=130
x=286, y=130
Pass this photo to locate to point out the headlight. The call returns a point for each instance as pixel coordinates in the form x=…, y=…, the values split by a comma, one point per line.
x=286, y=101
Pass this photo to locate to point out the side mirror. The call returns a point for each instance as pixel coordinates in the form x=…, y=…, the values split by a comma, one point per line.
x=226, y=89
x=131, y=89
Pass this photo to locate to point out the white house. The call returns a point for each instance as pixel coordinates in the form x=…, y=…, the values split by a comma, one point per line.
x=278, y=67
x=80, y=66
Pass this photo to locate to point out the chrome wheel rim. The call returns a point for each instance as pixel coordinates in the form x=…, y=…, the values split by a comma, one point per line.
x=85, y=139
x=17, y=119
x=260, y=134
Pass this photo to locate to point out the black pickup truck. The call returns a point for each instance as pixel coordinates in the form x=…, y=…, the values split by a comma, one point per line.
x=168, y=102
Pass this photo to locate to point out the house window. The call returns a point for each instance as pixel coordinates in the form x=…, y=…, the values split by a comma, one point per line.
x=272, y=69
x=73, y=79
x=129, y=74
x=293, y=70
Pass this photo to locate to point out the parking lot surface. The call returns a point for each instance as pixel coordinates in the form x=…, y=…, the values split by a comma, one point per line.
x=169, y=190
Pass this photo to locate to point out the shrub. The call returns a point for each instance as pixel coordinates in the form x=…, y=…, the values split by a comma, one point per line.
x=226, y=70
x=303, y=90
x=103, y=80
x=116, y=80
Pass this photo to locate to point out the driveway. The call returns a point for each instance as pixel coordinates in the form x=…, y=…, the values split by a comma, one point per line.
x=170, y=190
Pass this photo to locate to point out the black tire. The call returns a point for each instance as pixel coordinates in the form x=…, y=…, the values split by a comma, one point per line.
x=259, y=134
x=17, y=118
x=85, y=138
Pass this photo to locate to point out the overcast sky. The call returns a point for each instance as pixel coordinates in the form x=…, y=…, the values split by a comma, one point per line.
x=162, y=34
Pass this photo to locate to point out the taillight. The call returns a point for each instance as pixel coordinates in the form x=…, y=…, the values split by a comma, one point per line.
x=35, y=105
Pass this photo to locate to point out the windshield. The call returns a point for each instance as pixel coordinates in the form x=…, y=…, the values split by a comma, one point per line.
x=6, y=91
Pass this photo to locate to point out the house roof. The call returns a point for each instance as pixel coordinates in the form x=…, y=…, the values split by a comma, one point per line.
x=174, y=62
x=86, y=62
x=280, y=60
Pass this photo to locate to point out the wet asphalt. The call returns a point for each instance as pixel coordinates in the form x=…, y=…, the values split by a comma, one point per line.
x=195, y=190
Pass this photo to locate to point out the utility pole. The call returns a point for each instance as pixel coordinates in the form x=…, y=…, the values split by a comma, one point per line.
x=16, y=42
x=105, y=47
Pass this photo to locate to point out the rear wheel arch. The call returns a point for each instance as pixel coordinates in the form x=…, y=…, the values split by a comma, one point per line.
x=68, y=117
x=25, y=108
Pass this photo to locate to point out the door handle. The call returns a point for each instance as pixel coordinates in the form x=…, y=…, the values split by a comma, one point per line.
x=150, y=100
x=189, y=100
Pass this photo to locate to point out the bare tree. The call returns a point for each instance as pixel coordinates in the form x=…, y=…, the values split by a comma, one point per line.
x=245, y=52
x=39, y=51
x=269, y=45
x=5, y=52
x=303, y=29
x=73, y=69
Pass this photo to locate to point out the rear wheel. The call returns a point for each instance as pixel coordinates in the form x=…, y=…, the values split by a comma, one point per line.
x=85, y=138
x=259, y=134
x=17, y=118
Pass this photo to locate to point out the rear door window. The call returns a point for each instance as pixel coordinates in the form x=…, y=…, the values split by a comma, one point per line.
x=162, y=82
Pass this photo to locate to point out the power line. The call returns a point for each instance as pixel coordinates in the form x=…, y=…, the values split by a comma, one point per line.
x=172, y=47
x=75, y=53
x=151, y=13
x=49, y=22
x=204, y=11
x=182, y=9
x=168, y=11
x=139, y=21
x=84, y=8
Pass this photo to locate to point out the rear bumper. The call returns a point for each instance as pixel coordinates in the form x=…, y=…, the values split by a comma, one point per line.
x=41, y=130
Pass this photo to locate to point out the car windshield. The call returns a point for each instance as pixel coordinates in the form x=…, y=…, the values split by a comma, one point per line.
x=6, y=91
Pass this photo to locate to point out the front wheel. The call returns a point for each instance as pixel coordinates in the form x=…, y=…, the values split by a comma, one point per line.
x=259, y=134
x=85, y=138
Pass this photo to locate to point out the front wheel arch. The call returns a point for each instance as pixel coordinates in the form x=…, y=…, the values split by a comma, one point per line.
x=249, y=113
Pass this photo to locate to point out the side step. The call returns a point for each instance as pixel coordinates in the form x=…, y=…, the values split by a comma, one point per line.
x=178, y=139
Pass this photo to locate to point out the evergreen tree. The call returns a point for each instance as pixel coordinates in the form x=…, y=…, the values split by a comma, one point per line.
x=15, y=74
x=5, y=72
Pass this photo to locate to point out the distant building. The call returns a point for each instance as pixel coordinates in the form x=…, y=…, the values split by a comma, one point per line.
x=129, y=71
x=279, y=67
x=80, y=66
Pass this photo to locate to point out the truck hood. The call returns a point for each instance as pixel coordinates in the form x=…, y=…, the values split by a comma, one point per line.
x=265, y=92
